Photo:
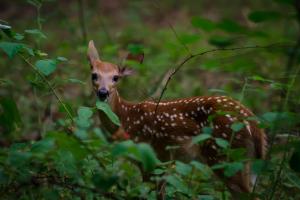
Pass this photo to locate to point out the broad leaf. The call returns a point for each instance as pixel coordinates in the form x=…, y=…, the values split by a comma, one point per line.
x=62, y=59
x=261, y=16
x=84, y=112
x=109, y=113
x=221, y=41
x=11, y=48
x=65, y=163
x=189, y=38
x=36, y=32
x=46, y=66
x=68, y=143
x=43, y=146
x=222, y=143
x=103, y=181
x=202, y=23
x=237, y=126
x=10, y=117
x=141, y=152
x=147, y=156
x=200, y=138
x=230, y=26
x=177, y=183
x=182, y=168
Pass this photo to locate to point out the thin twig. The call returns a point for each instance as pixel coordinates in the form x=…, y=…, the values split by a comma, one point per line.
x=163, y=81
x=82, y=19
x=188, y=58
x=156, y=3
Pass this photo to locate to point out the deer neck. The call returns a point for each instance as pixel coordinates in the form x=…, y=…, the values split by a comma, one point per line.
x=117, y=105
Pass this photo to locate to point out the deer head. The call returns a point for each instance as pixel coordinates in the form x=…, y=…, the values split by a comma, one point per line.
x=106, y=75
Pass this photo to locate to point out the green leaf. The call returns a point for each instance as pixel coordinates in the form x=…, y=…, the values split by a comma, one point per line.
x=258, y=166
x=60, y=58
x=182, y=168
x=18, y=36
x=74, y=80
x=158, y=171
x=147, y=156
x=237, y=126
x=141, y=152
x=222, y=143
x=123, y=148
x=221, y=41
x=103, y=181
x=288, y=2
x=231, y=26
x=189, y=38
x=135, y=48
x=43, y=146
x=198, y=165
x=271, y=116
x=36, y=3
x=68, y=143
x=261, y=16
x=237, y=154
x=84, y=112
x=29, y=50
x=36, y=32
x=206, y=197
x=81, y=133
x=11, y=48
x=259, y=78
x=207, y=130
x=3, y=177
x=10, y=117
x=19, y=159
x=5, y=27
x=46, y=66
x=100, y=134
x=177, y=183
x=202, y=23
x=230, y=169
x=109, y=113
x=293, y=178
x=200, y=138
x=65, y=163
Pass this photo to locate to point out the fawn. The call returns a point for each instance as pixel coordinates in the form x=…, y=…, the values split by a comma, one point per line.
x=176, y=122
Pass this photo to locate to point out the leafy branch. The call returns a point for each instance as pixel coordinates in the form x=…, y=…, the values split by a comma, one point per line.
x=59, y=99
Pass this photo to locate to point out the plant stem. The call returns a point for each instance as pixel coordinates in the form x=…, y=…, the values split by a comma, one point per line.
x=82, y=20
x=65, y=108
x=50, y=86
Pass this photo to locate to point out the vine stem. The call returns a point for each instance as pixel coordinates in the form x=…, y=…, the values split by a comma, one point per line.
x=50, y=86
x=93, y=154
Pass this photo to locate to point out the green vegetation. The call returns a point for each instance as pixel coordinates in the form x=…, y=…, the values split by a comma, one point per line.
x=51, y=143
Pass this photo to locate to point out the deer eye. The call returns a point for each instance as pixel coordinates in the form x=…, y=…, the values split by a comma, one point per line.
x=115, y=78
x=94, y=76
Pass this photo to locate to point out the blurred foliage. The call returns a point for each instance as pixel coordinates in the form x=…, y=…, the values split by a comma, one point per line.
x=45, y=90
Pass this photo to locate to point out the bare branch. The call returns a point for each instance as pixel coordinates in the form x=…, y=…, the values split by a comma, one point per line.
x=188, y=58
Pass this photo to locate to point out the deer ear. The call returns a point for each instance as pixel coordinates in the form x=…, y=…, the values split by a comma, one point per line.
x=136, y=57
x=125, y=71
x=92, y=52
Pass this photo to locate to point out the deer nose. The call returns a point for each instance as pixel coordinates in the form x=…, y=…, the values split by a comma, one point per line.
x=102, y=94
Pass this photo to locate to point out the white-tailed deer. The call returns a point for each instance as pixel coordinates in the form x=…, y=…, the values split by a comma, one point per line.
x=176, y=122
